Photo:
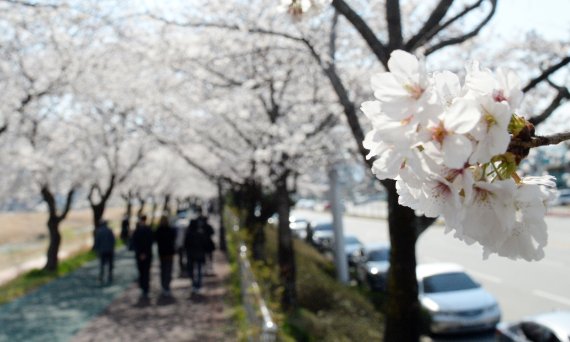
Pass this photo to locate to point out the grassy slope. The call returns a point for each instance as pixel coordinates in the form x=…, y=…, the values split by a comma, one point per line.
x=328, y=311
x=35, y=278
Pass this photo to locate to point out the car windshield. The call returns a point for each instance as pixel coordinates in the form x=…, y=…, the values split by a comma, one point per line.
x=379, y=255
x=323, y=226
x=351, y=240
x=448, y=282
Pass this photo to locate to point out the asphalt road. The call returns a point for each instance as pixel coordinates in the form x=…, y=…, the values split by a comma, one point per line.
x=522, y=288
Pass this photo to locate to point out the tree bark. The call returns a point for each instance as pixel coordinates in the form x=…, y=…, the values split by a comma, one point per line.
x=166, y=205
x=153, y=210
x=54, y=219
x=98, y=210
x=98, y=207
x=129, y=204
x=142, y=203
x=54, y=243
x=286, y=255
x=222, y=231
x=403, y=308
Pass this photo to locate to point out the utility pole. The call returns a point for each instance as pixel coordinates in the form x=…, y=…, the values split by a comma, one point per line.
x=337, y=213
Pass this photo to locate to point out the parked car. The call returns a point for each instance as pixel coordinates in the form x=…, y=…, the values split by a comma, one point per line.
x=322, y=235
x=305, y=203
x=549, y=327
x=453, y=301
x=295, y=223
x=353, y=249
x=563, y=197
x=299, y=227
x=372, y=267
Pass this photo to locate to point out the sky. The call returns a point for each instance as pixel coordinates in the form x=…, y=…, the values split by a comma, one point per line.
x=548, y=17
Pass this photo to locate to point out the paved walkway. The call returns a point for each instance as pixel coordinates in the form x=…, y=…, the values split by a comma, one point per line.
x=76, y=308
x=203, y=317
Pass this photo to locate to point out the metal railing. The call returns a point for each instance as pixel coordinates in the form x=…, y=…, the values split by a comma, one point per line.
x=258, y=314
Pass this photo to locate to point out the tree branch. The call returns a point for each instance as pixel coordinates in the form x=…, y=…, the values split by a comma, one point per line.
x=394, y=20
x=227, y=27
x=67, y=207
x=50, y=200
x=546, y=73
x=92, y=189
x=563, y=94
x=466, y=36
x=345, y=101
x=538, y=141
x=377, y=47
x=430, y=25
x=134, y=164
x=332, y=39
x=31, y=4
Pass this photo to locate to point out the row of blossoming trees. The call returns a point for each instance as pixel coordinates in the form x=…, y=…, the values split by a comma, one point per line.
x=140, y=101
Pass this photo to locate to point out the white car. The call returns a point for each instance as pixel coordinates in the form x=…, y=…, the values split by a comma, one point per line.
x=372, y=268
x=454, y=301
x=549, y=326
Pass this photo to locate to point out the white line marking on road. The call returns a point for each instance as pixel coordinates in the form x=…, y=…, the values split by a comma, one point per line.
x=485, y=276
x=553, y=297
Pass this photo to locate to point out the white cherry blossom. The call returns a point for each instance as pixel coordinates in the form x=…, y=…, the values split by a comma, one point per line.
x=446, y=145
x=404, y=91
x=504, y=86
x=492, y=131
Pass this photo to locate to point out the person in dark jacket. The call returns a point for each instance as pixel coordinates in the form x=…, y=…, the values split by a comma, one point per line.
x=142, y=240
x=104, y=246
x=196, y=244
x=165, y=237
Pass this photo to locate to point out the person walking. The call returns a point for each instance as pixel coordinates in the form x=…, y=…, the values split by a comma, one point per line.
x=104, y=246
x=142, y=240
x=125, y=234
x=165, y=237
x=125, y=230
x=195, y=242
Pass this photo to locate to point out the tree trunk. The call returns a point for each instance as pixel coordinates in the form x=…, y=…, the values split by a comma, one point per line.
x=53, y=224
x=142, y=203
x=166, y=205
x=128, y=205
x=403, y=308
x=54, y=243
x=222, y=230
x=252, y=203
x=287, y=270
x=153, y=210
x=98, y=212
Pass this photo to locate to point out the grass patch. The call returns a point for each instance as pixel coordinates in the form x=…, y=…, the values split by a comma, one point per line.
x=234, y=299
x=328, y=310
x=33, y=279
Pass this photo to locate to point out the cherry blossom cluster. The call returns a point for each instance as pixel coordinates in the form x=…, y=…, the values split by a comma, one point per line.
x=446, y=143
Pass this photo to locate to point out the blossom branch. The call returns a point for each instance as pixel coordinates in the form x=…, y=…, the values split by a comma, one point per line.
x=538, y=141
